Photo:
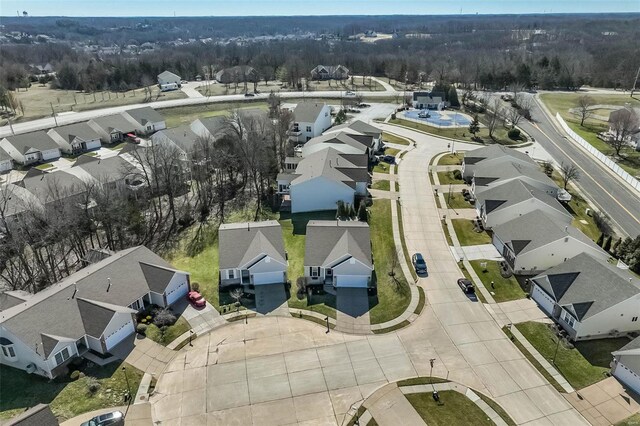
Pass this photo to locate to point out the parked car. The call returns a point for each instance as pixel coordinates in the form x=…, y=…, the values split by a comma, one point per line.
x=389, y=159
x=466, y=285
x=249, y=95
x=108, y=419
x=196, y=299
x=350, y=94
x=419, y=264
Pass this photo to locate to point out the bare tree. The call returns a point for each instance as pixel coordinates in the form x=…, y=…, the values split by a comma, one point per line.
x=623, y=124
x=236, y=294
x=494, y=115
x=512, y=115
x=584, y=109
x=570, y=173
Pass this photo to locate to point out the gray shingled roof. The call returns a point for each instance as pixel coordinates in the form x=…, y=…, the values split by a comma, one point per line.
x=493, y=151
x=307, y=112
x=35, y=140
x=39, y=415
x=80, y=130
x=534, y=230
x=48, y=187
x=214, y=125
x=168, y=74
x=242, y=242
x=329, y=240
x=632, y=345
x=182, y=136
x=507, y=170
x=588, y=285
x=97, y=315
x=330, y=163
x=358, y=126
x=512, y=192
x=342, y=140
x=119, y=122
x=105, y=170
x=145, y=115
x=4, y=155
x=10, y=299
x=15, y=199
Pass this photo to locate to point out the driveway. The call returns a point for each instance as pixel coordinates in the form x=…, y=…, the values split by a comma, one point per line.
x=144, y=354
x=271, y=298
x=201, y=320
x=352, y=314
x=523, y=310
x=606, y=402
x=477, y=252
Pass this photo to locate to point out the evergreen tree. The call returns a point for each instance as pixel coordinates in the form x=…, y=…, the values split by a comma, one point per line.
x=607, y=244
x=453, y=97
x=340, y=210
x=600, y=240
x=614, y=249
x=363, y=216
x=352, y=211
x=474, y=126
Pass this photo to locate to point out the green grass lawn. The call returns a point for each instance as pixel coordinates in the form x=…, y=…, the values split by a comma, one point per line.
x=388, y=137
x=577, y=207
x=67, y=399
x=382, y=185
x=583, y=365
x=455, y=200
x=294, y=228
x=630, y=421
x=466, y=274
x=174, y=331
x=454, y=409
x=391, y=151
x=446, y=232
x=393, y=294
x=505, y=288
x=447, y=178
x=451, y=160
x=44, y=166
x=381, y=167
x=466, y=234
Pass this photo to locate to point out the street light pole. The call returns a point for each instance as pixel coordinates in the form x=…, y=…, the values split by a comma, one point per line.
x=190, y=337
x=124, y=369
x=327, y=320
x=556, y=352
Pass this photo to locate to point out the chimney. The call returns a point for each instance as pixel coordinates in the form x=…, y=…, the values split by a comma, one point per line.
x=108, y=284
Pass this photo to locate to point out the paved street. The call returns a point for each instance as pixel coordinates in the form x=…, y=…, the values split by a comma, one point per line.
x=277, y=370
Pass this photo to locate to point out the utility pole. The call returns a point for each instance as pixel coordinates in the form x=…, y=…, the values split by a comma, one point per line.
x=11, y=127
x=53, y=111
x=635, y=82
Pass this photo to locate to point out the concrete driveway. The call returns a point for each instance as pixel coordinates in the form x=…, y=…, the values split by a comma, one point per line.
x=352, y=314
x=271, y=298
x=144, y=354
x=606, y=402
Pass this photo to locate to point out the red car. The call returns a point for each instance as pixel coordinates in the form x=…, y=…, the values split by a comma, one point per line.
x=196, y=299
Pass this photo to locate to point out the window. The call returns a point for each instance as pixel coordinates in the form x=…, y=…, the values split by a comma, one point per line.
x=567, y=318
x=62, y=356
x=328, y=272
x=634, y=319
x=230, y=274
x=308, y=128
x=8, y=351
x=315, y=271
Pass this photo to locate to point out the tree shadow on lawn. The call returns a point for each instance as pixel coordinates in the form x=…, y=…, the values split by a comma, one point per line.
x=598, y=352
x=300, y=220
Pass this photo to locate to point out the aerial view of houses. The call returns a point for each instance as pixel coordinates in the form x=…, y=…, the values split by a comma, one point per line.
x=283, y=215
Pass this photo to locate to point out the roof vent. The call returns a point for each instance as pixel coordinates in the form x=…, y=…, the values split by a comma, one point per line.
x=108, y=284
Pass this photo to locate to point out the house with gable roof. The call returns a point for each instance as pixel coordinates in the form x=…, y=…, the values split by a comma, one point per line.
x=30, y=148
x=626, y=364
x=75, y=138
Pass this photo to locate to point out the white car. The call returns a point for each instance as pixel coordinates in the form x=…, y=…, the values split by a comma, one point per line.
x=350, y=94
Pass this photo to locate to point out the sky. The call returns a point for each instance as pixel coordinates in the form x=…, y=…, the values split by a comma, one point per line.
x=308, y=7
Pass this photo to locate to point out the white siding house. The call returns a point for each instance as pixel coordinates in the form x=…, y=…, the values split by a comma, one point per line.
x=6, y=162
x=167, y=77
x=75, y=138
x=146, y=120
x=30, y=148
x=626, y=365
x=589, y=297
x=311, y=120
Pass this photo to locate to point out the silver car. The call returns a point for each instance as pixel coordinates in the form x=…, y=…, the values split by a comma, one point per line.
x=115, y=418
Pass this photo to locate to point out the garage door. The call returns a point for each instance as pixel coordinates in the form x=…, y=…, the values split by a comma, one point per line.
x=543, y=299
x=268, y=277
x=116, y=337
x=351, y=281
x=628, y=377
x=177, y=293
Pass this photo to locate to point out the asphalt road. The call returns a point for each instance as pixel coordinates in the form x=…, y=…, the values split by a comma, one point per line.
x=606, y=192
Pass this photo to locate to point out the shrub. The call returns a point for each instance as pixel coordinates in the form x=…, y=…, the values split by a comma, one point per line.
x=164, y=317
x=148, y=317
x=75, y=375
x=143, y=320
x=195, y=286
x=141, y=328
x=93, y=385
x=514, y=134
x=457, y=174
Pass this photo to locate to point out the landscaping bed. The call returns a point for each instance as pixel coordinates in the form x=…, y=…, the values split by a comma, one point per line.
x=504, y=289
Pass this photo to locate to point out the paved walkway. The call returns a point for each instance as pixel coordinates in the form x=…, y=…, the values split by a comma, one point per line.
x=144, y=354
x=191, y=91
x=606, y=402
x=389, y=407
x=388, y=195
x=477, y=252
x=458, y=213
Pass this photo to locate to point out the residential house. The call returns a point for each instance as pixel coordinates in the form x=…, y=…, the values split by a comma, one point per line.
x=428, y=100
x=535, y=242
x=360, y=128
x=75, y=138
x=210, y=127
x=497, y=173
x=30, y=148
x=15, y=202
x=55, y=191
x=113, y=128
x=252, y=254
x=89, y=312
x=511, y=199
x=238, y=74
x=342, y=142
x=589, y=297
x=330, y=72
x=619, y=122
x=112, y=172
x=311, y=119
x=626, y=365
x=167, y=77
x=182, y=138
x=492, y=154
x=38, y=415
x=338, y=254
x=324, y=178
x=6, y=161
x=147, y=120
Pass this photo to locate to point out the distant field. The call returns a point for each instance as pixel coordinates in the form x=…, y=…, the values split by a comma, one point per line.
x=38, y=100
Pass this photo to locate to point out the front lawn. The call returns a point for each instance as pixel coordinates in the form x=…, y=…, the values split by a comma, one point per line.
x=381, y=167
x=451, y=160
x=382, y=185
x=467, y=236
x=454, y=409
x=449, y=177
x=583, y=365
x=67, y=399
x=391, y=151
x=456, y=200
x=388, y=137
x=394, y=294
x=172, y=332
x=504, y=289
x=630, y=421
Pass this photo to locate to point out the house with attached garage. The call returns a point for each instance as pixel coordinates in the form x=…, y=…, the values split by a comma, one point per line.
x=75, y=138
x=16, y=205
x=338, y=254
x=147, y=120
x=30, y=148
x=56, y=191
x=626, y=364
x=210, y=127
x=6, y=162
x=311, y=119
x=86, y=314
x=322, y=179
x=113, y=128
x=167, y=77
x=342, y=142
x=507, y=170
x=492, y=154
x=589, y=297
x=252, y=254
x=359, y=129
x=182, y=138
x=112, y=172
x=500, y=203
x=330, y=72
x=535, y=242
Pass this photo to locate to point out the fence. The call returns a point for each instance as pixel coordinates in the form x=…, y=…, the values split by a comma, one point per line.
x=600, y=156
